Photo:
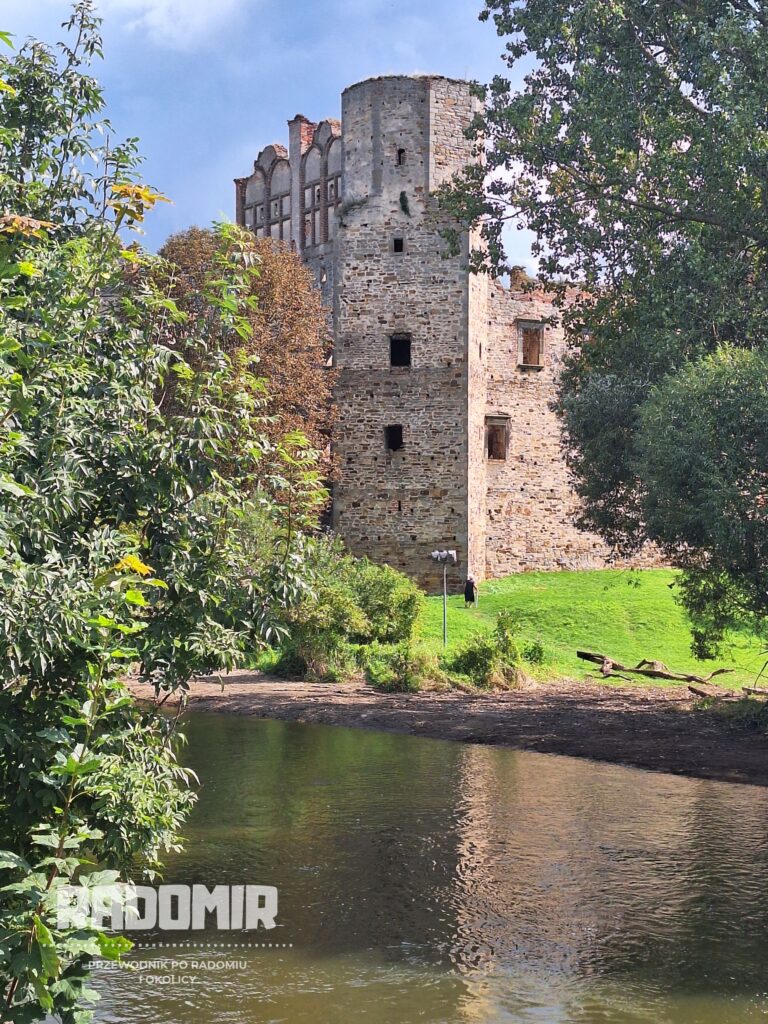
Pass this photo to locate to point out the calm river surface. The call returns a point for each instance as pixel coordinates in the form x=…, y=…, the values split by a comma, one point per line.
x=425, y=881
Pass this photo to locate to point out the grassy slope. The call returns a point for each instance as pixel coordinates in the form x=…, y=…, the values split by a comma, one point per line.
x=628, y=616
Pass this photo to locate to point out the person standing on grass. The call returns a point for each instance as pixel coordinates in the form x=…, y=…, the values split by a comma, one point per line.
x=470, y=593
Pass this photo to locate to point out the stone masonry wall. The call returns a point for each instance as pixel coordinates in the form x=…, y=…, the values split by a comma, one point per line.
x=399, y=506
x=401, y=138
x=531, y=505
x=478, y=353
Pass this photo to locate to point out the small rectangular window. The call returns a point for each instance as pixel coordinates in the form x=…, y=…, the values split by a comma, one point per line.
x=400, y=157
x=400, y=350
x=393, y=436
x=496, y=438
x=531, y=344
x=398, y=244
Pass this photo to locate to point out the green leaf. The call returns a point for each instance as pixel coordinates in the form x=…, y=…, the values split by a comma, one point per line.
x=136, y=597
x=112, y=947
x=7, y=483
x=44, y=997
x=73, y=766
x=47, y=948
x=103, y=621
x=124, y=654
x=161, y=302
x=12, y=860
x=45, y=839
x=183, y=370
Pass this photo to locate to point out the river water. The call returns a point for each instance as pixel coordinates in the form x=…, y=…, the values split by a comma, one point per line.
x=436, y=882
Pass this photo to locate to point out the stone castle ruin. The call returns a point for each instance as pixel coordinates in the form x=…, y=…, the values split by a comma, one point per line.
x=444, y=436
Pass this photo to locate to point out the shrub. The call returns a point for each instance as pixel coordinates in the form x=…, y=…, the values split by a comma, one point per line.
x=351, y=603
x=390, y=601
x=480, y=659
x=534, y=653
x=320, y=627
x=402, y=670
x=505, y=635
x=493, y=659
x=374, y=661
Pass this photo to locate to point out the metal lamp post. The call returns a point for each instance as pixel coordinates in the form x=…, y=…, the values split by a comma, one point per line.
x=445, y=558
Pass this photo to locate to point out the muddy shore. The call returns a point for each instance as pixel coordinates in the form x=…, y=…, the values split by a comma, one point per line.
x=646, y=727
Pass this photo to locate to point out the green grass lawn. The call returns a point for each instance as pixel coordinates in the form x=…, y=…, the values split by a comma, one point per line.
x=627, y=616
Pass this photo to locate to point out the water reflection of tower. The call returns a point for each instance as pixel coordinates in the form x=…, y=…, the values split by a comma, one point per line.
x=572, y=876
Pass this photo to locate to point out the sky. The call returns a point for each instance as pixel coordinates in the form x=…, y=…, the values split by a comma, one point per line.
x=206, y=84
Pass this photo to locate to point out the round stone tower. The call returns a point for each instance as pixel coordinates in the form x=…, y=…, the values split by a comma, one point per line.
x=407, y=345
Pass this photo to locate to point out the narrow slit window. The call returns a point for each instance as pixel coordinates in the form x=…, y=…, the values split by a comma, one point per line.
x=400, y=350
x=531, y=345
x=496, y=439
x=400, y=157
x=393, y=436
x=398, y=244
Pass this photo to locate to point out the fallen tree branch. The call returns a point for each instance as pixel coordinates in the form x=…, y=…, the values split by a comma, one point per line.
x=649, y=669
x=713, y=692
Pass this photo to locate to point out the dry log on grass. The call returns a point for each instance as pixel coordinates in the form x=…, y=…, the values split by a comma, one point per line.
x=713, y=692
x=757, y=691
x=649, y=669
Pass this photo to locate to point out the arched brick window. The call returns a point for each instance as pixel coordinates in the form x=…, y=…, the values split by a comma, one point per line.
x=278, y=211
x=313, y=197
x=333, y=182
x=255, y=191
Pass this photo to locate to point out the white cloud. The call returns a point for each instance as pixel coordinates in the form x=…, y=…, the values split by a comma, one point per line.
x=177, y=24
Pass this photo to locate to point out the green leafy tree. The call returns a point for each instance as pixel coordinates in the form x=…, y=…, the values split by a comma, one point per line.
x=289, y=328
x=637, y=151
x=122, y=517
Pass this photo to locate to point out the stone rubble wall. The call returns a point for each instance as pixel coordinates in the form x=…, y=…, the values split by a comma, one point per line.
x=402, y=138
x=398, y=506
x=531, y=505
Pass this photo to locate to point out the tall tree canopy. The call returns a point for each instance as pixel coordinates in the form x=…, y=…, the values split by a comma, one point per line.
x=131, y=528
x=289, y=340
x=637, y=150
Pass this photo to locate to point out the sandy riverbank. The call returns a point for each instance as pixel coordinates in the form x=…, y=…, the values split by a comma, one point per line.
x=646, y=727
